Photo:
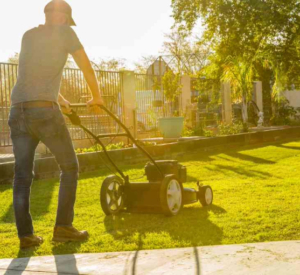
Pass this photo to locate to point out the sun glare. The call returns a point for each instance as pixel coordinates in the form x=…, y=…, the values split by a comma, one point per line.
x=115, y=29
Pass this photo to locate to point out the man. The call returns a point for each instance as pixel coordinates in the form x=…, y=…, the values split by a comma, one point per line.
x=35, y=116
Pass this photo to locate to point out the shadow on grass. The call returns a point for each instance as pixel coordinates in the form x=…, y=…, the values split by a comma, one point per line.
x=237, y=153
x=287, y=147
x=239, y=170
x=191, y=227
x=253, y=159
x=41, y=196
x=5, y=187
x=200, y=155
x=66, y=248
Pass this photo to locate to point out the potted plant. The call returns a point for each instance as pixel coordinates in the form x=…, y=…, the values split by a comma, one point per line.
x=172, y=125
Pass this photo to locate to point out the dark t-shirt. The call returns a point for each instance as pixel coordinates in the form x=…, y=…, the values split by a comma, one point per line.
x=43, y=56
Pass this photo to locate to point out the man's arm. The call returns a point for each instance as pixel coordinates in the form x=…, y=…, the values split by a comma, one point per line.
x=85, y=66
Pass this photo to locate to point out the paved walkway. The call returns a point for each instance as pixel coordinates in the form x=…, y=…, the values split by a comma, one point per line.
x=264, y=258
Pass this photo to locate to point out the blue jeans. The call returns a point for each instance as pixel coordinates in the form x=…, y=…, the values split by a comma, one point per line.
x=29, y=127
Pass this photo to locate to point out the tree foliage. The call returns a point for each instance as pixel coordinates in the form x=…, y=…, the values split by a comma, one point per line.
x=171, y=85
x=182, y=53
x=14, y=59
x=110, y=64
x=144, y=63
x=240, y=75
x=268, y=30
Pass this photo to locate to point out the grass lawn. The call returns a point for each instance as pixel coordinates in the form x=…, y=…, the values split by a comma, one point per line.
x=257, y=195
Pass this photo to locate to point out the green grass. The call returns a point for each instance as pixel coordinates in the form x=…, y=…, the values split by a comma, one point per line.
x=257, y=196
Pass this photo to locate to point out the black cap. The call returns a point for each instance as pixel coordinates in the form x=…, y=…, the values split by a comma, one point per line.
x=60, y=6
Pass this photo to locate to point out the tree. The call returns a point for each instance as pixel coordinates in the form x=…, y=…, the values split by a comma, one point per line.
x=144, y=63
x=172, y=88
x=182, y=52
x=111, y=64
x=269, y=30
x=240, y=74
x=14, y=59
x=171, y=85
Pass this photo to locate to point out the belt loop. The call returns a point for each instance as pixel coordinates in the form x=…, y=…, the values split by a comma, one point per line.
x=52, y=105
x=22, y=107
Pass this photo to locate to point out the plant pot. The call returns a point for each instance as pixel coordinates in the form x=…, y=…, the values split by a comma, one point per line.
x=171, y=127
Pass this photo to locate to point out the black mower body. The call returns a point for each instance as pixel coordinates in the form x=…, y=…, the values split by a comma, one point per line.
x=145, y=196
x=167, y=167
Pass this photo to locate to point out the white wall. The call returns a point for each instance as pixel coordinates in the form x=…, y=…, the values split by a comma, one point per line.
x=293, y=97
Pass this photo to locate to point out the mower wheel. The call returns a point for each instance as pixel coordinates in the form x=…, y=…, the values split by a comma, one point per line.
x=206, y=195
x=112, y=195
x=171, y=195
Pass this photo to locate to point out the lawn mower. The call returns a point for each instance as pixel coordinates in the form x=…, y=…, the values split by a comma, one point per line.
x=164, y=191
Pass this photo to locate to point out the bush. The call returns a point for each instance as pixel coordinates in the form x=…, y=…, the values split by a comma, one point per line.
x=97, y=147
x=187, y=132
x=113, y=146
x=284, y=114
x=231, y=129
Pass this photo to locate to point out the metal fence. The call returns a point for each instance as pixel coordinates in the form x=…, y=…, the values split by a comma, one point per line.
x=151, y=103
x=8, y=77
x=75, y=89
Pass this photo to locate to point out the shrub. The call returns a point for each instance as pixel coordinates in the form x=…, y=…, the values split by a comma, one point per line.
x=200, y=131
x=97, y=147
x=113, y=146
x=284, y=114
x=231, y=129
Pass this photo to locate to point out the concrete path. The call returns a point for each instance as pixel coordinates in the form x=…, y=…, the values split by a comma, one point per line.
x=263, y=258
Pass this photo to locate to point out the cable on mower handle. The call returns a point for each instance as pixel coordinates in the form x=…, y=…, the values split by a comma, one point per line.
x=78, y=105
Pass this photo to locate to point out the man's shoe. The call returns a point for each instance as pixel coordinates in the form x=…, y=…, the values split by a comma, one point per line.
x=30, y=241
x=69, y=234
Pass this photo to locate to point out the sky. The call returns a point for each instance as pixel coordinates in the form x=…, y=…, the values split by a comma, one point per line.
x=126, y=29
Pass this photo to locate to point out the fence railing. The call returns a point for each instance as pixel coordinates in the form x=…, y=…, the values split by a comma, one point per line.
x=8, y=77
x=150, y=103
x=75, y=89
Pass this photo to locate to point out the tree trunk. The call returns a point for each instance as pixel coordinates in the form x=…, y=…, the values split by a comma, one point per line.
x=245, y=110
x=265, y=75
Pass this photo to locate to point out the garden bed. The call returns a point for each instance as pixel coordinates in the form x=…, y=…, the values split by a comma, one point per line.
x=47, y=168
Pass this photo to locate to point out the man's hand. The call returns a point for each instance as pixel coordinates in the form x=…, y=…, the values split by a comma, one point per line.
x=65, y=105
x=94, y=105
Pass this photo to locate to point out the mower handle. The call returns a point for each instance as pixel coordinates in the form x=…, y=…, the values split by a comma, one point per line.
x=77, y=105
